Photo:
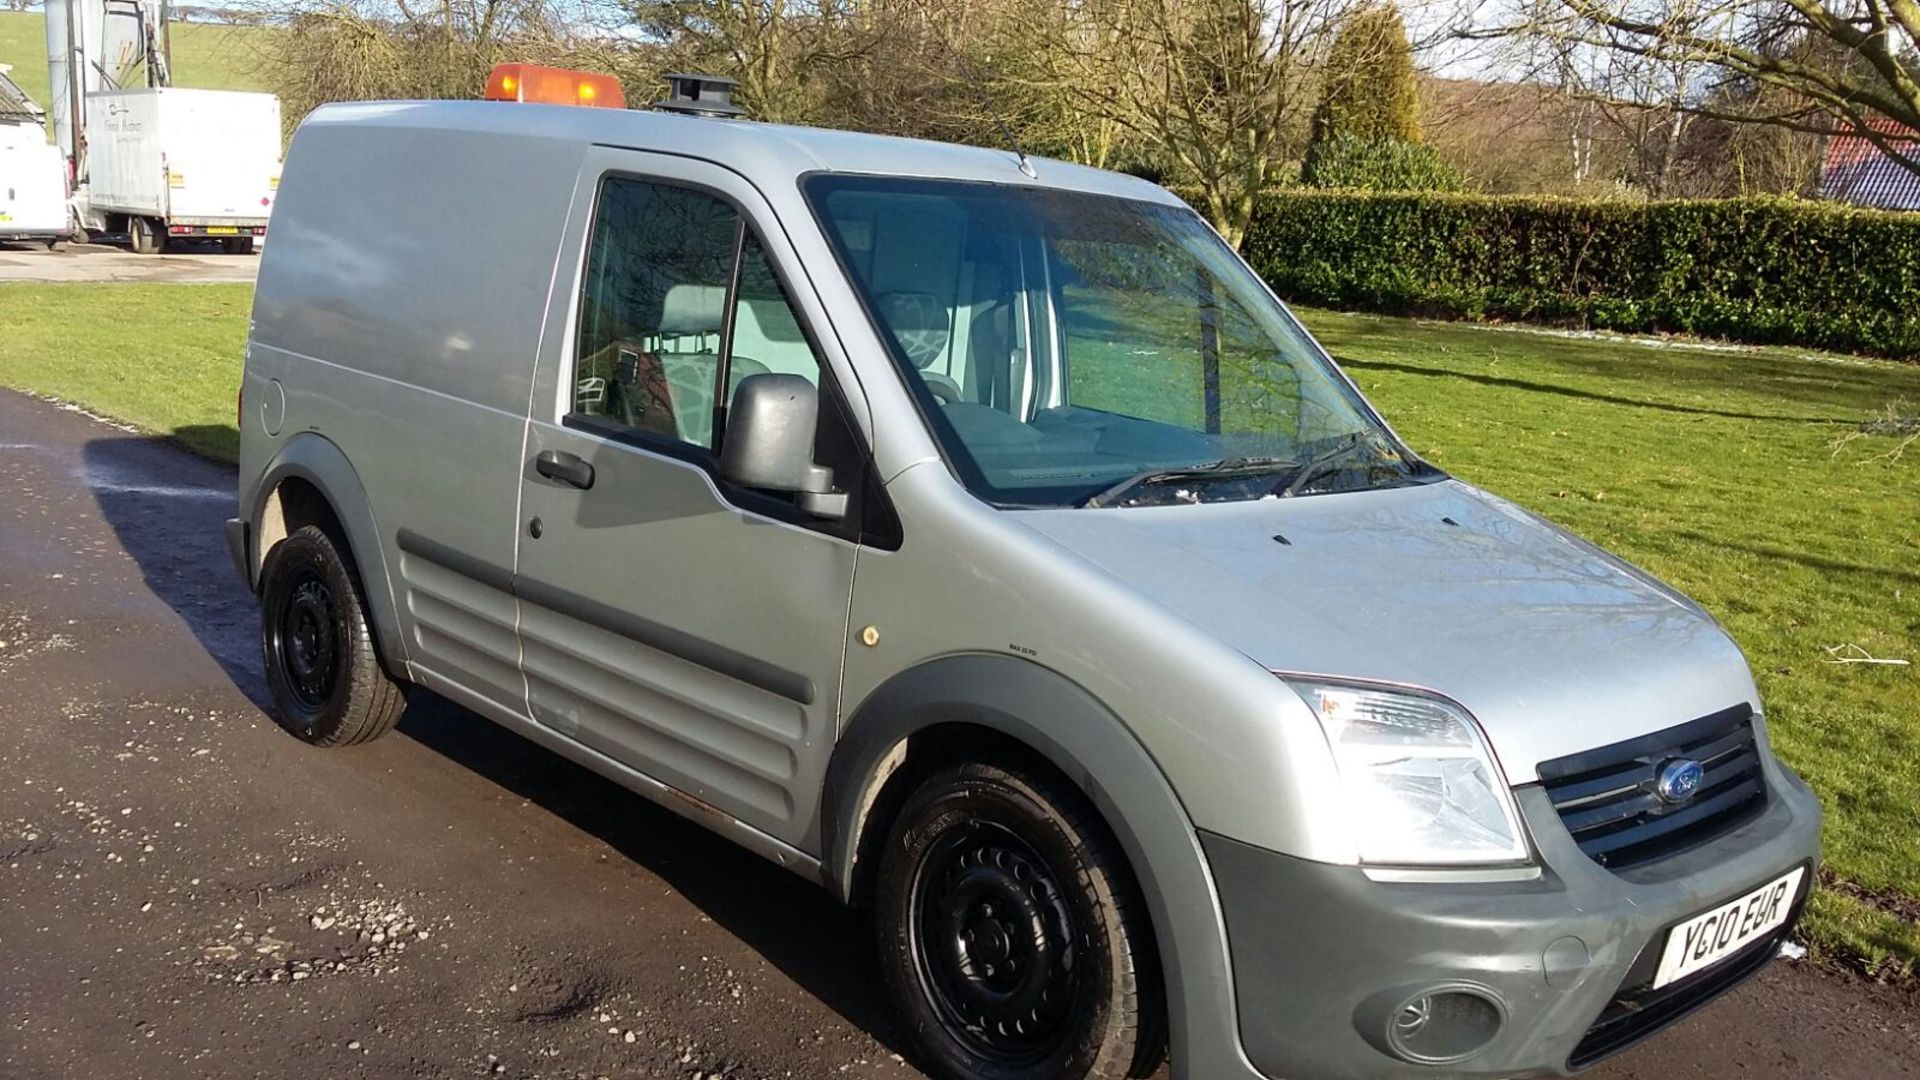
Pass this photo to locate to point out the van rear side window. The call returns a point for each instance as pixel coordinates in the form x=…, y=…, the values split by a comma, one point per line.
x=679, y=301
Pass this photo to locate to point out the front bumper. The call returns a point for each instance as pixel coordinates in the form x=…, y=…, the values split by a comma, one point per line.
x=14, y=231
x=1323, y=954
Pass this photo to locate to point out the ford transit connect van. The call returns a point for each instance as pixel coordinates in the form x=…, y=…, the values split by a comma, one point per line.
x=979, y=538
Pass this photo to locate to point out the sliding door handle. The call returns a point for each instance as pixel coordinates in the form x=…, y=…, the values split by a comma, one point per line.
x=564, y=467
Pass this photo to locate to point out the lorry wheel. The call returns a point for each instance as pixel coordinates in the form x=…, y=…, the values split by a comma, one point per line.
x=1012, y=934
x=146, y=235
x=322, y=668
x=56, y=245
x=237, y=245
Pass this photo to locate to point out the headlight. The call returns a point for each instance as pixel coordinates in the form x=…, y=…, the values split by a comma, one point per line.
x=1422, y=787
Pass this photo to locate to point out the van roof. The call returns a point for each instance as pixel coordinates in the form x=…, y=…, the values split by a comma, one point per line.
x=764, y=153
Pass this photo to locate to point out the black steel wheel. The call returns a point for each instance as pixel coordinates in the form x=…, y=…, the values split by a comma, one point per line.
x=993, y=943
x=1012, y=934
x=327, y=684
x=306, y=638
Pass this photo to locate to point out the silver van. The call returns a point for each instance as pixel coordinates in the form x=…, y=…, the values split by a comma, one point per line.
x=978, y=537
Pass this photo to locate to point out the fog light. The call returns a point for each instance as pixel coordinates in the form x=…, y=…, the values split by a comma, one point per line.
x=1444, y=1026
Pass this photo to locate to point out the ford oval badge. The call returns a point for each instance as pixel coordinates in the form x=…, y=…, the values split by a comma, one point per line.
x=1678, y=779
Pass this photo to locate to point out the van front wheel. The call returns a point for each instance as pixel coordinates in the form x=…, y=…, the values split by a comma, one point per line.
x=1011, y=933
x=327, y=684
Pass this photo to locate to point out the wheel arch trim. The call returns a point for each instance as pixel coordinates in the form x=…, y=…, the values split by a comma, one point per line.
x=317, y=460
x=1073, y=731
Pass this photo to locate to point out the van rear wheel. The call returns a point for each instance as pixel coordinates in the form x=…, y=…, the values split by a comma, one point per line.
x=322, y=668
x=1012, y=934
x=147, y=236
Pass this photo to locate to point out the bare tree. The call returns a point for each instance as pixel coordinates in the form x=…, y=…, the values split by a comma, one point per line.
x=1862, y=76
x=357, y=50
x=783, y=52
x=1219, y=87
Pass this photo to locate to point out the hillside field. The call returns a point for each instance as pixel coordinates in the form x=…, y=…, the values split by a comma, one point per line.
x=205, y=55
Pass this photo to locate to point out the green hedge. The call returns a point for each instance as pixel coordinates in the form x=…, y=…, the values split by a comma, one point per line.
x=1768, y=271
x=1379, y=165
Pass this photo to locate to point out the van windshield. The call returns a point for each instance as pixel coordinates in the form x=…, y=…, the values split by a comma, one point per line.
x=1076, y=349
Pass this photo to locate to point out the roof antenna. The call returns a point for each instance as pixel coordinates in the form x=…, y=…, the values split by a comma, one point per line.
x=1025, y=165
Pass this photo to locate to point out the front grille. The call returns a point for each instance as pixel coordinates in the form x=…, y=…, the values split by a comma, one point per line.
x=1607, y=800
x=1633, y=1016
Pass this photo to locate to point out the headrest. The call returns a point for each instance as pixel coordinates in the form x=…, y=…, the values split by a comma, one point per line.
x=693, y=309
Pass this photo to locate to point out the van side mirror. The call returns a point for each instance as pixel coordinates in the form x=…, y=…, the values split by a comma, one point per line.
x=769, y=442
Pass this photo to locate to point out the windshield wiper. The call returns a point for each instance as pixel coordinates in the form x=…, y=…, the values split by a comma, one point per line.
x=1225, y=467
x=1319, y=465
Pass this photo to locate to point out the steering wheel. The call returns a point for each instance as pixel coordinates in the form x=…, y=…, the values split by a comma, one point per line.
x=943, y=389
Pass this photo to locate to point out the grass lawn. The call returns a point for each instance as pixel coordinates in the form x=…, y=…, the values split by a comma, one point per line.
x=1709, y=466
x=206, y=56
x=165, y=358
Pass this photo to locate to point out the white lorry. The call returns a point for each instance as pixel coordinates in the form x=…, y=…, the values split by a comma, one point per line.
x=147, y=159
x=169, y=163
x=33, y=172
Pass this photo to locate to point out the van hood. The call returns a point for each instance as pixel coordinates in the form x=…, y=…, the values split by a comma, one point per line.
x=1552, y=644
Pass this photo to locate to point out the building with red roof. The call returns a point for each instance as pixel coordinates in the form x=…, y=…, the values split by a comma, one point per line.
x=1861, y=173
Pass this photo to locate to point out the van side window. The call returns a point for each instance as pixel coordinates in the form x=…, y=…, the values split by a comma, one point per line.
x=766, y=333
x=653, y=309
x=679, y=300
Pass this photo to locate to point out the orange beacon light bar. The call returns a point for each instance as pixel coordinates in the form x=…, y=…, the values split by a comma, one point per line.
x=554, y=86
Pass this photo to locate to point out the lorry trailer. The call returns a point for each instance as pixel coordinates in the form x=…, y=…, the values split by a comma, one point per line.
x=144, y=158
x=169, y=163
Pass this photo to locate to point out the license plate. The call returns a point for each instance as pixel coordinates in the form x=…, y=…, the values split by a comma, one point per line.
x=6, y=217
x=222, y=230
x=1706, y=939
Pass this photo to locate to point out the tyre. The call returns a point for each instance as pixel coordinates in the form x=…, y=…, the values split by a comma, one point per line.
x=322, y=667
x=237, y=245
x=1012, y=934
x=146, y=235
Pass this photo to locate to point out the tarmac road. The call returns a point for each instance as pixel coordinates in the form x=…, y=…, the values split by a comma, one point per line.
x=185, y=891
x=202, y=265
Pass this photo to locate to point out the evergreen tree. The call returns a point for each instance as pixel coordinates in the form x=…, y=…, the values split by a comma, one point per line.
x=1370, y=95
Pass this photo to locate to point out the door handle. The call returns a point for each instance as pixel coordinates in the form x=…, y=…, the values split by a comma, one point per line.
x=564, y=467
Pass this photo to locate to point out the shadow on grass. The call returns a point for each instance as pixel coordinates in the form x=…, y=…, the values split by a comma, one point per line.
x=217, y=443
x=1815, y=381
x=1584, y=395
x=1811, y=562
